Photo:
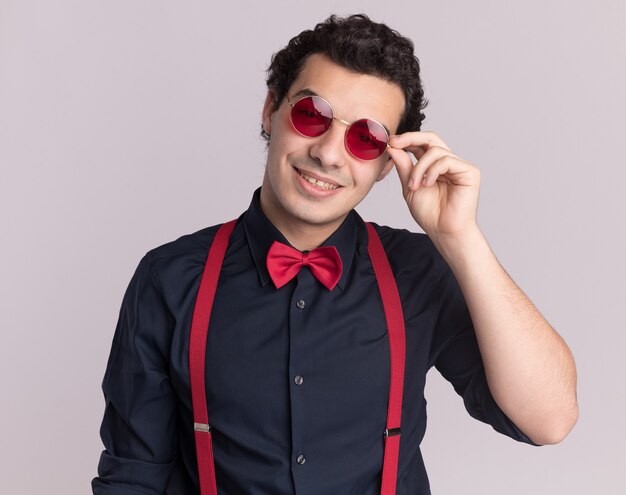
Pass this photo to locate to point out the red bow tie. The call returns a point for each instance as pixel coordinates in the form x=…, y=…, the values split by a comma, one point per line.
x=284, y=263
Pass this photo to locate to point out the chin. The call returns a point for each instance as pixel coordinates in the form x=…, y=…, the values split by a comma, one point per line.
x=313, y=213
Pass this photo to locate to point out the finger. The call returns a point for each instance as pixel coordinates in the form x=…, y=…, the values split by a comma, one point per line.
x=403, y=163
x=423, y=164
x=453, y=169
x=426, y=139
x=418, y=151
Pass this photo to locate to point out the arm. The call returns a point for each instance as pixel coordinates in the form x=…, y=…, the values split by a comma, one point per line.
x=530, y=371
x=139, y=429
x=529, y=368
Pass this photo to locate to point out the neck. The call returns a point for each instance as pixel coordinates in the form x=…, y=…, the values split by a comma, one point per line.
x=301, y=235
x=306, y=238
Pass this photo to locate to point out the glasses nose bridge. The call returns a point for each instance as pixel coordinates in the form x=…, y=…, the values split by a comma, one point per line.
x=329, y=134
x=327, y=148
x=344, y=122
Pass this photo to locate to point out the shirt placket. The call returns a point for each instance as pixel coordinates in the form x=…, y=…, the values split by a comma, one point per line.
x=301, y=316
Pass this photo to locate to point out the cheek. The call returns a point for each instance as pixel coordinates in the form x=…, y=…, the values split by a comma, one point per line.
x=285, y=142
x=365, y=174
x=277, y=150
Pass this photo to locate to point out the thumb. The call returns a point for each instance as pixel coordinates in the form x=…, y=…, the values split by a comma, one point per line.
x=403, y=163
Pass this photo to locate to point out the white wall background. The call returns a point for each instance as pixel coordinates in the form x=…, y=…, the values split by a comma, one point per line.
x=125, y=124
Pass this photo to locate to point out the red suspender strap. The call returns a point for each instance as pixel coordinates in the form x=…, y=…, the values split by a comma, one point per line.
x=397, y=349
x=197, y=354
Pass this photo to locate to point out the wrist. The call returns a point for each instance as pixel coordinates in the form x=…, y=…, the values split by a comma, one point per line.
x=462, y=250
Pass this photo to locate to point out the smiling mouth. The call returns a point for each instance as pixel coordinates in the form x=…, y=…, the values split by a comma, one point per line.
x=317, y=182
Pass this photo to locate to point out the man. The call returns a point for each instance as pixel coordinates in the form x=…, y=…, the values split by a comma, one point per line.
x=299, y=366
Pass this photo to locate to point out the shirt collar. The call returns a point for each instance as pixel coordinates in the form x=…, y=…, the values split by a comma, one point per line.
x=261, y=233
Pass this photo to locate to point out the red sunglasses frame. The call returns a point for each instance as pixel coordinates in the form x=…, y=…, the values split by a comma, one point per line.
x=348, y=125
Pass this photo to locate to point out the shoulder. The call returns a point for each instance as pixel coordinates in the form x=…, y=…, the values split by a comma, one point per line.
x=185, y=245
x=411, y=253
x=176, y=263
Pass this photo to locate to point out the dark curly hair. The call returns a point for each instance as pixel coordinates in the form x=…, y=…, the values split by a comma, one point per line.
x=360, y=45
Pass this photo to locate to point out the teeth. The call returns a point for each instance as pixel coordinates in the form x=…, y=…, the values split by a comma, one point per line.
x=324, y=185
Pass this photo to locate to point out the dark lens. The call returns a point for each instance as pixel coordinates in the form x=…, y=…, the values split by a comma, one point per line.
x=366, y=139
x=311, y=116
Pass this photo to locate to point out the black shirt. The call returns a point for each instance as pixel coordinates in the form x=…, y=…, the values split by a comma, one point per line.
x=293, y=372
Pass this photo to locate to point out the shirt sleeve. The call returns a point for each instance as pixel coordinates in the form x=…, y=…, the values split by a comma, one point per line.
x=139, y=429
x=457, y=357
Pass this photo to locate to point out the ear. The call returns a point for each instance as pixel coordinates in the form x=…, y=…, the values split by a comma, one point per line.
x=269, y=107
x=385, y=170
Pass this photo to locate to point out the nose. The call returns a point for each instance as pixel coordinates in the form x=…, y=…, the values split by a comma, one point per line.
x=329, y=148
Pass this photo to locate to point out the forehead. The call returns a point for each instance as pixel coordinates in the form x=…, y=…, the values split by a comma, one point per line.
x=352, y=95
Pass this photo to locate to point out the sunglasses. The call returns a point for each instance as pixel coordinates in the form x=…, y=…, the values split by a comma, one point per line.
x=312, y=116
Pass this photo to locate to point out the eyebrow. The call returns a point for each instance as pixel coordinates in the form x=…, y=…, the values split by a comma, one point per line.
x=310, y=92
x=304, y=92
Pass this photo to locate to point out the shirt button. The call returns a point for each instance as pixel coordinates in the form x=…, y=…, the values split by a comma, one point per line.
x=300, y=459
x=300, y=304
x=298, y=380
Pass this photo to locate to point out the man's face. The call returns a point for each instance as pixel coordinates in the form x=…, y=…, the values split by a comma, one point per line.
x=289, y=200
